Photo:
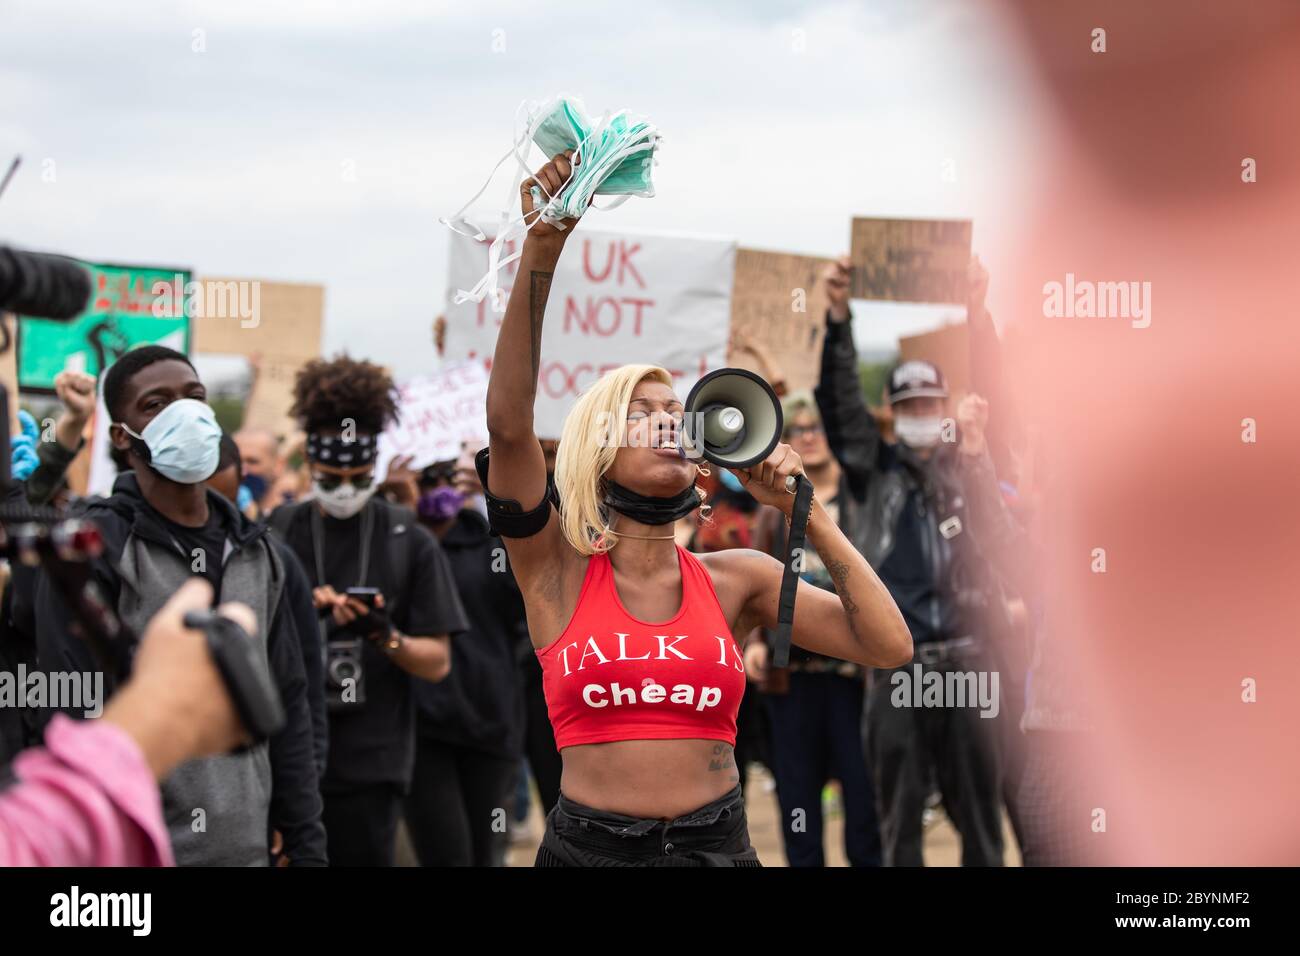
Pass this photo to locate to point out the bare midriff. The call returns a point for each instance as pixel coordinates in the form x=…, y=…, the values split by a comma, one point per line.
x=651, y=779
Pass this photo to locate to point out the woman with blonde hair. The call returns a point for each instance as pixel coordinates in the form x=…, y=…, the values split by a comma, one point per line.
x=642, y=673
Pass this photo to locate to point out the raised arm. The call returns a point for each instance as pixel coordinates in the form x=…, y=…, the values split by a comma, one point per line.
x=517, y=469
x=850, y=430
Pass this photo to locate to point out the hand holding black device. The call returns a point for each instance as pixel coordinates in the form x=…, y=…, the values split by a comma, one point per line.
x=375, y=623
x=235, y=654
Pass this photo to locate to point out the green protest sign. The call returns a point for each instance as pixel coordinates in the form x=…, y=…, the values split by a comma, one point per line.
x=128, y=306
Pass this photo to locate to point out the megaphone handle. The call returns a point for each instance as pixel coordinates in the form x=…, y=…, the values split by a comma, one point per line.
x=803, y=497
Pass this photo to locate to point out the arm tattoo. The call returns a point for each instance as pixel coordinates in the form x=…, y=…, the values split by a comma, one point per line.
x=539, y=288
x=839, y=572
x=724, y=759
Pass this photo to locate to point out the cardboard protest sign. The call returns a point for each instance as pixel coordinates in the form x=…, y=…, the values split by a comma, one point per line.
x=910, y=260
x=254, y=317
x=778, y=308
x=278, y=323
x=435, y=414
x=617, y=298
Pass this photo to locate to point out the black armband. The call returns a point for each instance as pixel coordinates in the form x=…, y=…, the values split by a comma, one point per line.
x=506, y=516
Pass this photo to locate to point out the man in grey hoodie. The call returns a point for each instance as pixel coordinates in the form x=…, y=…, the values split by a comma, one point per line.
x=161, y=526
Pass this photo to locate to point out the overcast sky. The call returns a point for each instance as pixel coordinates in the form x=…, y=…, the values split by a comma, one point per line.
x=782, y=121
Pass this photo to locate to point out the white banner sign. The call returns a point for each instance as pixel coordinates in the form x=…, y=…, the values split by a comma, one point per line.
x=617, y=299
x=437, y=412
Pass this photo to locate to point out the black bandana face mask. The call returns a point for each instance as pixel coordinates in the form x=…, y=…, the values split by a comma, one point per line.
x=649, y=510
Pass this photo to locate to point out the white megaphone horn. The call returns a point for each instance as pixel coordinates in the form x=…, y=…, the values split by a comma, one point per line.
x=732, y=418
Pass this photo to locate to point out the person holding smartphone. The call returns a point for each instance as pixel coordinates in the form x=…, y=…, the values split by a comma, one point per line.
x=386, y=598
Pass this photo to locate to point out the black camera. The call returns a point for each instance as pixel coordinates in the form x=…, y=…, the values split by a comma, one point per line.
x=345, y=675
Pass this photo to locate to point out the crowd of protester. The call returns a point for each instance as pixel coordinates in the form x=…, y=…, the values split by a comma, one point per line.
x=393, y=629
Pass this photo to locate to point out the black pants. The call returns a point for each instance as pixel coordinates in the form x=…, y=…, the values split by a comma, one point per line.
x=908, y=747
x=361, y=824
x=457, y=809
x=817, y=736
x=714, y=835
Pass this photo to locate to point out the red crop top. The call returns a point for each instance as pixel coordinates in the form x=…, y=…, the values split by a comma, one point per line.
x=612, y=677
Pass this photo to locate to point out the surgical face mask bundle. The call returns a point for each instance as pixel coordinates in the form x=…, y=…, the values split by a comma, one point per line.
x=614, y=156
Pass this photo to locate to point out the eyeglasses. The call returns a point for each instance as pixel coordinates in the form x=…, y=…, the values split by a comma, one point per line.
x=331, y=482
x=798, y=431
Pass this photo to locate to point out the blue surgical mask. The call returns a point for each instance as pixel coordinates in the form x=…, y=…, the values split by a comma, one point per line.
x=183, y=442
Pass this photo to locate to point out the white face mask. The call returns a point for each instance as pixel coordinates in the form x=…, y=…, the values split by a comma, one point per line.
x=344, y=501
x=917, y=432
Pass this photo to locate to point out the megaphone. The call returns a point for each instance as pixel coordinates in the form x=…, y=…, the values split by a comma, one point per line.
x=733, y=418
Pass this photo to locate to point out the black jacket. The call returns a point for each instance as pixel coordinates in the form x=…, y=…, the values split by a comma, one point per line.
x=933, y=530
x=480, y=704
x=131, y=533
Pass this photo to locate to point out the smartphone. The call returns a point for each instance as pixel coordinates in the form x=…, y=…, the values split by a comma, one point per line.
x=365, y=595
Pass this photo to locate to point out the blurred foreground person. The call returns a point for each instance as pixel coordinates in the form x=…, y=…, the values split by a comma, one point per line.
x=89, y=796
